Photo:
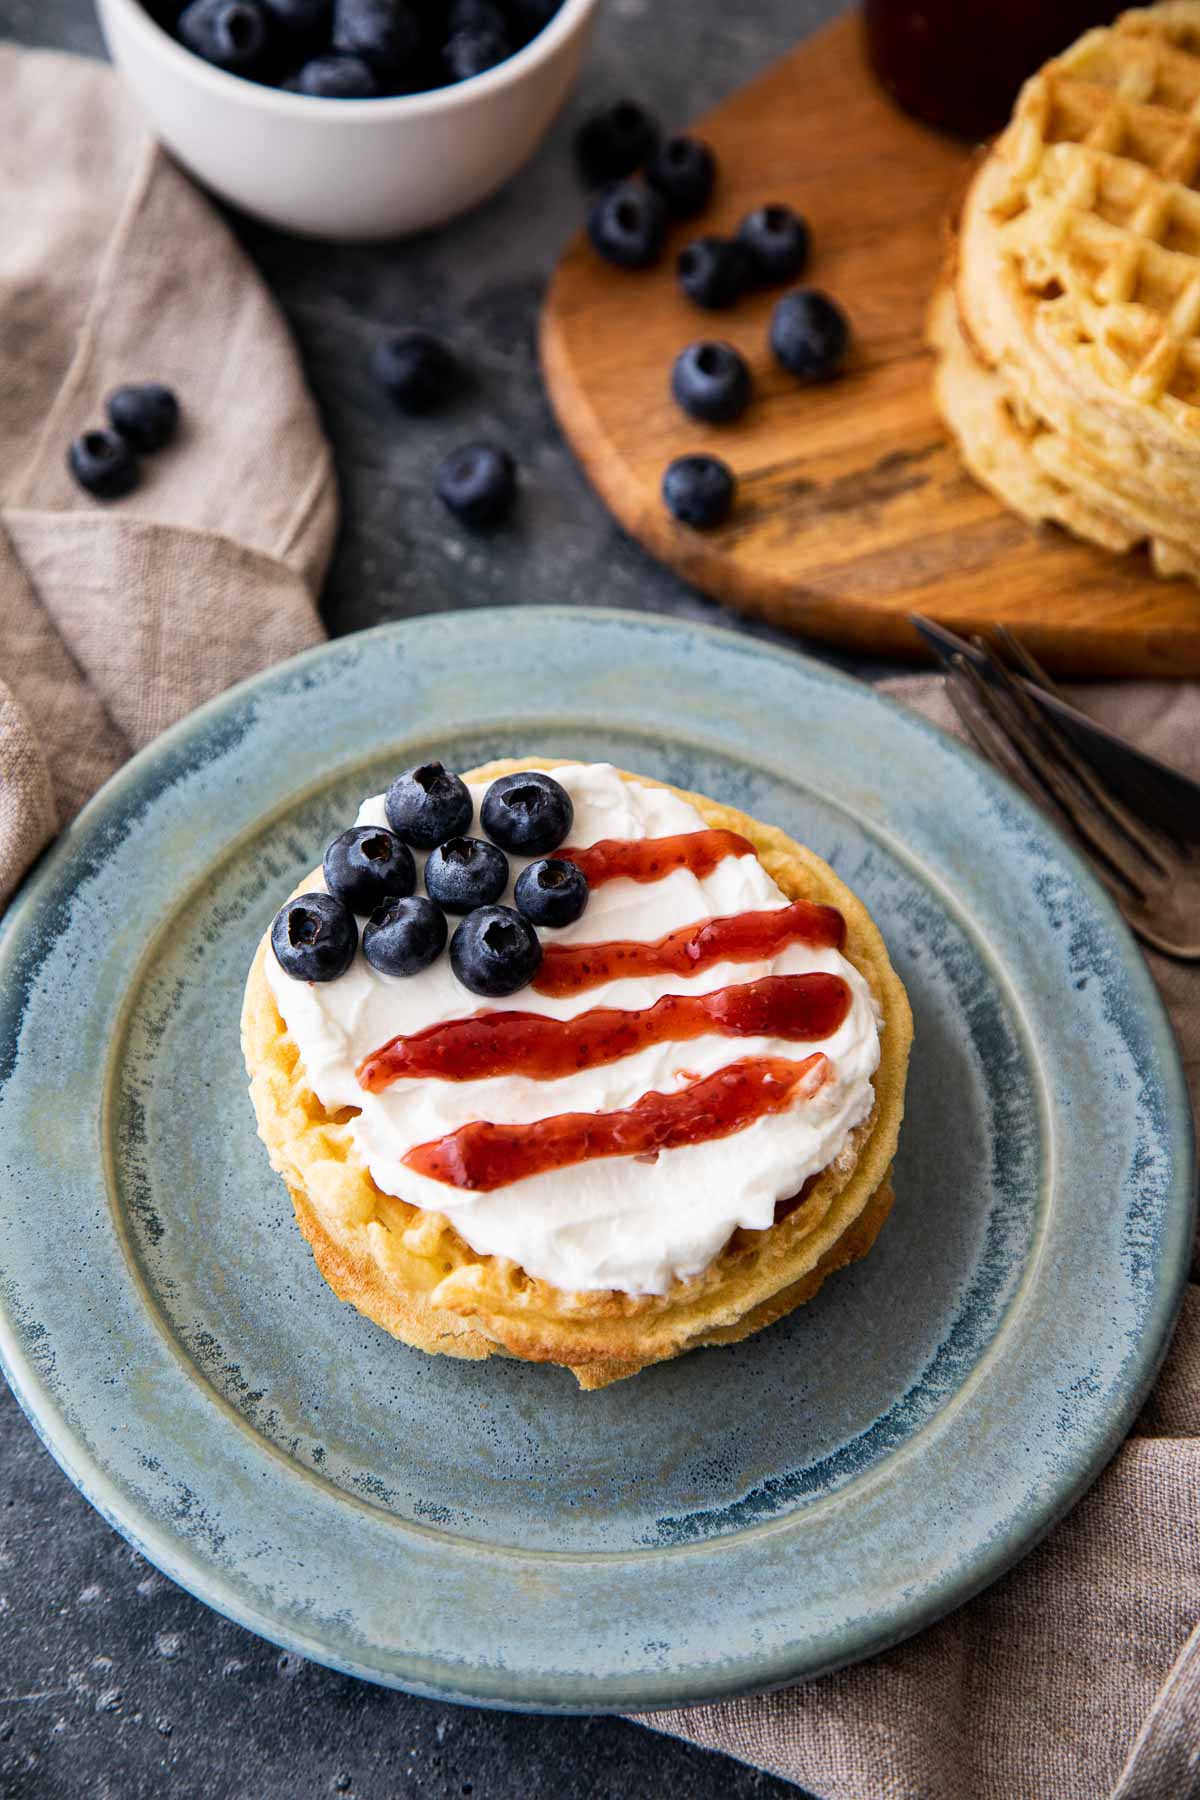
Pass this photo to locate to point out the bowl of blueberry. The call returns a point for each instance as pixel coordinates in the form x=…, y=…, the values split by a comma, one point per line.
x=349, y=118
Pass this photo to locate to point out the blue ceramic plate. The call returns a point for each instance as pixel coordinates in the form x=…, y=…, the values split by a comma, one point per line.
x=485, y=1532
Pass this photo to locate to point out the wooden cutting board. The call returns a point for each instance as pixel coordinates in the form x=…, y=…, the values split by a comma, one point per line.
x=854, y=509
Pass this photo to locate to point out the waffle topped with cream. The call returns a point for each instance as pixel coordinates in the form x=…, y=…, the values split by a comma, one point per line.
x=667, y=1132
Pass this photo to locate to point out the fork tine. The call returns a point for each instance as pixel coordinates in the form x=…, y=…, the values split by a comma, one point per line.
x=1007, y=717
x=1028, y=662
x=999, y=752
x=1054, y=740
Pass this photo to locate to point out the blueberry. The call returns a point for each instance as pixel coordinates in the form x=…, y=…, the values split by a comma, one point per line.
x=527, y=17
x=334, y=78
x=307, y=20
x=367, y=865
x=427, y=804
x=416, y=368
x=713, y=271
x=314, y=937
x=103, y=463
x=776, y=240
x=478, y=482
x=615, y=142
x=495, y=951
x=404, y=936
x=474, y=15
x=145, y=413
x=698, y=491
x=385, y=33
x=473, y=52
x=809, y=335
x=684, y=172
x=551, y=892
x=465, y=872
x=529, y=813
x=234, y=35
x=627, y=224
x=710, y=381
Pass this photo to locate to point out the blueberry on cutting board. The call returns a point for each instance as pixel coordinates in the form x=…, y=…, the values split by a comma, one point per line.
x=684, y=173
x=627, y=225
x=810, y=335
x=776, y=241
x=713, y=271
x=711, y=382
x=699, y=491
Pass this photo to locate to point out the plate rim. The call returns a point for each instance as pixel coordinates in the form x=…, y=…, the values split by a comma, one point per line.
x=749, y=1675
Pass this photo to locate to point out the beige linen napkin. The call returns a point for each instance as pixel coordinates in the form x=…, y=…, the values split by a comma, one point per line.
x=1078, y=1674
x=117, y=619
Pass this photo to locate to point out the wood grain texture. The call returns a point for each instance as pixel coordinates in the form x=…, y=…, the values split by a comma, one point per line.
x=854, y=508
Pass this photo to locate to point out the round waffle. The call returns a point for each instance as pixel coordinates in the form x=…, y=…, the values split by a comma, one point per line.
x=411, y=1272
x=1077, y=284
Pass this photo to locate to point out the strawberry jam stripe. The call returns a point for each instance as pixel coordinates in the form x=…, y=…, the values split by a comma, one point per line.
x=741, y=937
x=649, y=859
x=482, y=1157
x=797, y=1007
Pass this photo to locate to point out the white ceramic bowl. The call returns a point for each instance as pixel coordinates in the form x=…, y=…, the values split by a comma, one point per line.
x=348, y=168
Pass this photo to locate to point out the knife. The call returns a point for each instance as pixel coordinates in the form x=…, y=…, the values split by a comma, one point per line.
x=1163, y=795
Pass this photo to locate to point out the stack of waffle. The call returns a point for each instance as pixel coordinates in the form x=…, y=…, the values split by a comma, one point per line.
x=1068, y=327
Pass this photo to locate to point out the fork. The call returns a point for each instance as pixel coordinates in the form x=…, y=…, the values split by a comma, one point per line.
x=1153, y=877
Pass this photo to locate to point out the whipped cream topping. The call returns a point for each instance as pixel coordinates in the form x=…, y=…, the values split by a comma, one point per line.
x=616, y=1222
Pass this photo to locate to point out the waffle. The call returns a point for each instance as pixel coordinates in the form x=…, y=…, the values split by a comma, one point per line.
x=411, y=1272
x=1077, y=281
x=1033, y=469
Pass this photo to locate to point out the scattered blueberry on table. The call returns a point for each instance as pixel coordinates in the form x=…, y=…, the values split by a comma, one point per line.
x=615, y=142
x=103, y=463
x=495, y=951
x=355, y=49
x=314, y=937
x=478, y=484
x=465, y=872
x=699, y=491
x=528, y=813
x=810, y=335
x=713, y=271
x=551, y=892
x=627, y=225
x=416, y=368
x=711, y=381
x=367, y=865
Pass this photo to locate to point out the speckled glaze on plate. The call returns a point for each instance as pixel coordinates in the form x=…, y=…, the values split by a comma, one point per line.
x=484, y=1532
